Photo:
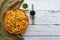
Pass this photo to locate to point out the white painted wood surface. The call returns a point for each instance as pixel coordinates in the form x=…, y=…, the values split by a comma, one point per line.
x=47, y=20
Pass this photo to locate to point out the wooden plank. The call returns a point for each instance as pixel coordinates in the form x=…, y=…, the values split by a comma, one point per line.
x=42, y=38
x=45, y=17
x=43, y=4
x=43, y=30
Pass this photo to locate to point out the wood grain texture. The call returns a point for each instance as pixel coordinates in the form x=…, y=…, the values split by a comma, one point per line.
x=47, y=20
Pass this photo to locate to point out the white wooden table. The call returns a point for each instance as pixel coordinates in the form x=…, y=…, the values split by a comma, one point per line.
x=47, y=20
